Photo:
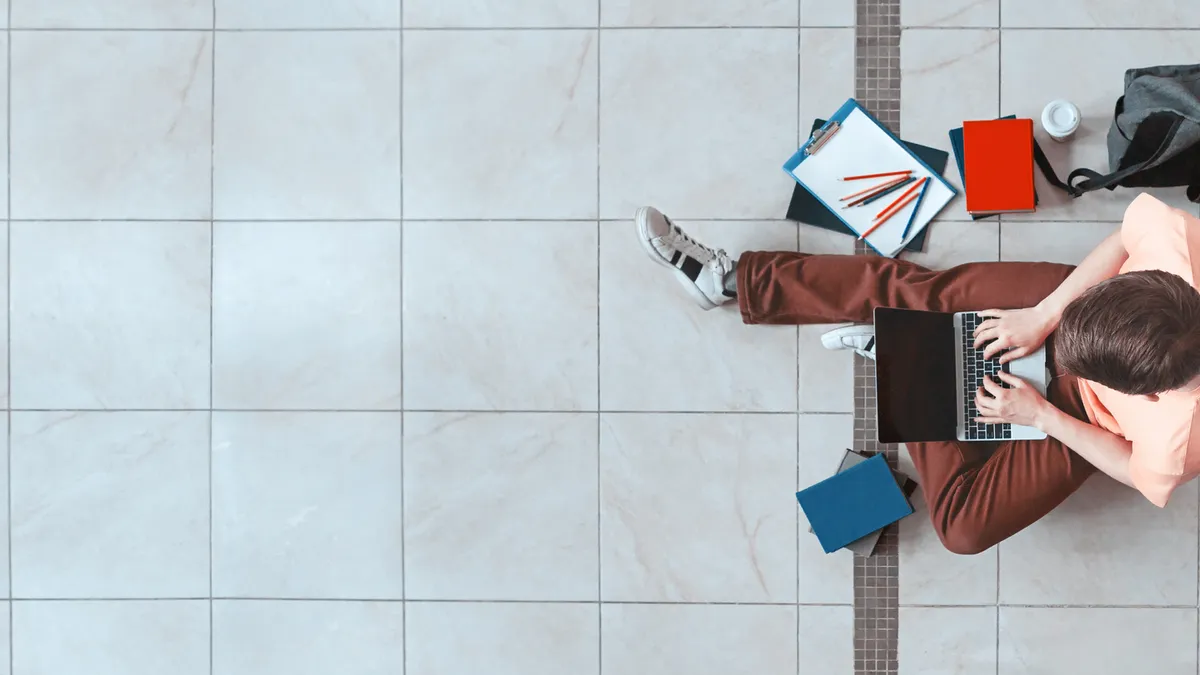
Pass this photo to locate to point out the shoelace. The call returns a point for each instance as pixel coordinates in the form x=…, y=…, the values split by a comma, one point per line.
x=719, y=256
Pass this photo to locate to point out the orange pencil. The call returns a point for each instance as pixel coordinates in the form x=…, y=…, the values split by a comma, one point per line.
x=895, y=207
x=897, y=202
x=872, y=190
x=879, y=175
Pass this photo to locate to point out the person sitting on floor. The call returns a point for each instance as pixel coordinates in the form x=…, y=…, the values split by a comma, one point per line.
x=1125, y=356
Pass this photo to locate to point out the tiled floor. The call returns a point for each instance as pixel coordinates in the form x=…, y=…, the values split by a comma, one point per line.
x=329, y=348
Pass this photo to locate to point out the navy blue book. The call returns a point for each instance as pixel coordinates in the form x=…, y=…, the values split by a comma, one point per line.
x=853, y=503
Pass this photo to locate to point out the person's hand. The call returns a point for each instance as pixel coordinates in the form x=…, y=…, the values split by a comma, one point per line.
x=1022, y=404
x=1020, y=331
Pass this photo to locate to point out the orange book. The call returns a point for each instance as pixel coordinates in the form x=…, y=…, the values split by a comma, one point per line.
x=998, y=159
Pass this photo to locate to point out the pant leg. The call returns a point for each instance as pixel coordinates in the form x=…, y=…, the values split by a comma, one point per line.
x=978, y=493
x=797, y=288
x=976, y=500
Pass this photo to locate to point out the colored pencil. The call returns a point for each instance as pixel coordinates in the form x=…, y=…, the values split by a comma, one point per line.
x=911, y=218
x=871, y=190
x=895, y=207
x=902, y=198
x=878, y=175
x=886, y=192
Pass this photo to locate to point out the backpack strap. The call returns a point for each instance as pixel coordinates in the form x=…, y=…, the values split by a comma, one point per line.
x=1093, y=180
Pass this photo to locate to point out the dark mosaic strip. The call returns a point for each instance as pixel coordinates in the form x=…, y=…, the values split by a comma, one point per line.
x=876, y=579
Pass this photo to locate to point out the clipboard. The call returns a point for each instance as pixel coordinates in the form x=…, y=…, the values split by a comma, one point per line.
x=853, y=142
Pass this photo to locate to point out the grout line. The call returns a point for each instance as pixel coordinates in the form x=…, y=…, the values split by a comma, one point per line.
x=403, y=420
x=8, y=323
x=509, y=601
x=392, y=411
x=1098, y=221
x=599, y=356
x=212, y=268
x=435, y=601
x=498, y=29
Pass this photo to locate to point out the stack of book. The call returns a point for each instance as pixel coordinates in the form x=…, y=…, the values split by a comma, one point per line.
x=850, y=509
x=995, y=162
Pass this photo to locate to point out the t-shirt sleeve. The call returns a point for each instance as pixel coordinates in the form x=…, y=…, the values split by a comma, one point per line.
x=1159, y=237
x=1164, y=454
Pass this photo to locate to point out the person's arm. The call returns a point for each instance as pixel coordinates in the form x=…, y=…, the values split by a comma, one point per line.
x=1103, y=449
x=1104, y=262
x=1022, y=331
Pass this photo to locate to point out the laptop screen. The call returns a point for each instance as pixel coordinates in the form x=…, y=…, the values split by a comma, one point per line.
x=915, y=376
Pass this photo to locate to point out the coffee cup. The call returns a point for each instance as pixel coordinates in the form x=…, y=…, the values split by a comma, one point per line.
x=1060, y=119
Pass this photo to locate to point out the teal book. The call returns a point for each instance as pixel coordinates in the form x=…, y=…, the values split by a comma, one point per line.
x=854, y=503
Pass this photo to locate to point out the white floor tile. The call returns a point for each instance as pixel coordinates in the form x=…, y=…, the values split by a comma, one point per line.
x=697, y=122
x=503, y=639
x=307, y=505
x=306, y=315
x=4, y=312
x=661, y=351
x=109, y=504
x=931, y=575
x=1067, y=243
x=823, y=577
x=1028, y=85
x=5, y=639
x=110, y=125
x=827, y=13
x=698, y=508
x=524, y=147
x=1056, y=640
x=501, y=506
x=952, y=13
x=307, y=14
x=130, y=638
x=952, y=243
x=110, y=315
x=826, y=640
x=933, y=63
x=826, y=73
x=947, y=640
x=513, y=14
x=114, y=14
x=307, y=638
x=1101, y=14
x=715, y=13
x=1111, y=527
x=307, y=125
x=699, y=639
x=500, y=316
x=825, y=377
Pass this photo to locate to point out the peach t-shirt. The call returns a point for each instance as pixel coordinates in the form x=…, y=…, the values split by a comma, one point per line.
x=1165, y=452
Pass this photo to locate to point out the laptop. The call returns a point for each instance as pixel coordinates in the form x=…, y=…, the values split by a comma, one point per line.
x=927, y=371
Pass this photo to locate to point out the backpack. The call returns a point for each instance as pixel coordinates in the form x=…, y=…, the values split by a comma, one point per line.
x=1154, y=140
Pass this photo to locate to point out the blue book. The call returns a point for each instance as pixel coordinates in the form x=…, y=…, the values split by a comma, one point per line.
x=853, y=503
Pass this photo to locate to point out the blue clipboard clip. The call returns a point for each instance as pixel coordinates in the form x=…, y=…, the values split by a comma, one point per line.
x=821, y=136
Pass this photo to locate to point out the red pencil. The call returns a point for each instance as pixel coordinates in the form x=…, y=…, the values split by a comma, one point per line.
x=872, y=190
x=894, y=208
x=879, y=175
x=912, y=189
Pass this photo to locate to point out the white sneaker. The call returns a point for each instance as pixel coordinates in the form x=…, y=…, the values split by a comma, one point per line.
x=699, y=268
x=860, y=338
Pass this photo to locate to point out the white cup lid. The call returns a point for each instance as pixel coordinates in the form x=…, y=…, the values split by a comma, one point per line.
x=1060, y=117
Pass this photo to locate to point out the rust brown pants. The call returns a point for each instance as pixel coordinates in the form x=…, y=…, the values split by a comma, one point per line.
x=978, y=493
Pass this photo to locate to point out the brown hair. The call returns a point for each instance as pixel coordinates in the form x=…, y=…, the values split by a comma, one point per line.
x=1137, y=333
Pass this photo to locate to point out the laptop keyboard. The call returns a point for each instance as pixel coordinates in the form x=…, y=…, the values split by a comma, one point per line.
x=975, y=368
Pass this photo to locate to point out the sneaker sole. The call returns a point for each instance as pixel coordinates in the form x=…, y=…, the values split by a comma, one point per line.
x=642, y=220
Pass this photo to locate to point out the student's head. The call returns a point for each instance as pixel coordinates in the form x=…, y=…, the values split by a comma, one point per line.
x=1137, y=333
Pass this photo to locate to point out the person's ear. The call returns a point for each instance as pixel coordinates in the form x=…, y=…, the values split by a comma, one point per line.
x=1153, y=398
